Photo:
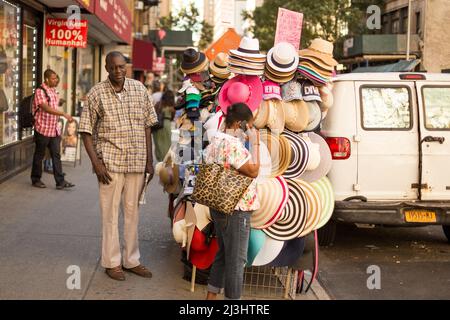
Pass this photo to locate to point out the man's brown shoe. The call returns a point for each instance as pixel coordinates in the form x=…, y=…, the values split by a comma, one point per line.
x=116, y=273
x=140, y=270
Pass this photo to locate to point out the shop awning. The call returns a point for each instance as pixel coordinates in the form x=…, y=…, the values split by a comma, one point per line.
x=109, y=21
x=401, y=66
x=142, y=55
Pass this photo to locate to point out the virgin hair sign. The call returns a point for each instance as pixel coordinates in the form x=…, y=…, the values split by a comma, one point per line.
x=59, y=33
x=289, y=27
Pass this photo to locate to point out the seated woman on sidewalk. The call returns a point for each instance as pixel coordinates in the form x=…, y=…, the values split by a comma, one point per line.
x=233, y=230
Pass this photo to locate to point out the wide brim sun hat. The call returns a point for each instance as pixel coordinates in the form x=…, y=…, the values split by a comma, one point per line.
x=320, y=49
x=261, y=116
x=255, y=243
x=292, y=221
x=292, y=251
x=314, y=206
x=265, y=167
x=241, y=89
x=300, y=155
x=273, y=194
x=279, y=149
x=325, y=160
x=269, y=251
x=315, y=116
x=325, y=191
x=276, y=117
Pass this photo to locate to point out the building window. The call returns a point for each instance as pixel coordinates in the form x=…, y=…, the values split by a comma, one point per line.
x=386, y=108
x=418, y=27
x=404, y=20
x=9, y=71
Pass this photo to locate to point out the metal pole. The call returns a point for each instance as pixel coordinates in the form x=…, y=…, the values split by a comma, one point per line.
x=408, y=36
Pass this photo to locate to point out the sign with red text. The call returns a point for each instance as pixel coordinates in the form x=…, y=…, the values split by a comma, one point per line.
x=116, y=15
x=289, y=27
x=159, y=64
x=66, y=33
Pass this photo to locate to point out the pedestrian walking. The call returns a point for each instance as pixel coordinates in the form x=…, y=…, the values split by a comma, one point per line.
x=47, y=132
x=165, y=109
x=116, y=131
x=233, y=231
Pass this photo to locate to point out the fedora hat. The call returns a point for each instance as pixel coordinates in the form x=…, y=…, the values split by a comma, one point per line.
x=265, y=167
x=320, y=49
x=239, y=70
x=276, y=115
x=270, y=250
x=296, y=115
x=169, y=175
x=235, y=61
x=248, y=47
x=314, y=206
x=292, y=221
x=193, y=61
x=282, y=57
x=278, y=79
x=273, y=194
x=291, y=252
x=218, y=67
x=325, y=191
x=241, y=88
x=255, y=243
x=291, y=90
x=325, y=159
x=261, y=116
x=271, y=90
x=315, y=115
x=300, y=155
x=202, y=215
x=280, y=152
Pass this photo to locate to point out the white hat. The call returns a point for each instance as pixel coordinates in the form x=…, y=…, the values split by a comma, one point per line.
x=248, y=47
x=283, y=57
x=186, y=84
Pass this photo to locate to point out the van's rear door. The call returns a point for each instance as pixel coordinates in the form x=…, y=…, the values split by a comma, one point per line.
x=434, y=117
x=387, y=138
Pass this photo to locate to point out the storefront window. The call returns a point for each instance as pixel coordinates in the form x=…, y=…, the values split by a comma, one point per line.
x=85, y=75
x=29, y=65
x=9, y=71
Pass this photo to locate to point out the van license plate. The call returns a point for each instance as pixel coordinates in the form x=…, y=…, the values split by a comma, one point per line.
x=420, y=216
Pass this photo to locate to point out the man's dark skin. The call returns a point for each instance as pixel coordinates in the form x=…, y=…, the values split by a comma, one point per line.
x=116, y=68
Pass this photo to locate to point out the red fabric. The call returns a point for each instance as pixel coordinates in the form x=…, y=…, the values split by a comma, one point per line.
x=46, y=123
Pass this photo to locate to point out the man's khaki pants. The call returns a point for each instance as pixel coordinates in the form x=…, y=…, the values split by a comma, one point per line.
x=124, y=187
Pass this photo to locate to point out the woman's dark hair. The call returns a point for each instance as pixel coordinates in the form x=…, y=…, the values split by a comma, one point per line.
x=168, y=99
x=238, y=112
x=156, y=86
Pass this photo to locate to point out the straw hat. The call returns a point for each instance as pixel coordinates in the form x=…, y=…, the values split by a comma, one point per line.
x=292, y=221
x=325, y=191
x=282, y=58
x=276, y=117
x=203, y=215
x=311, y=64
x=265, y=167
x=325, y=160
x=280, y=152
x=327, y=98
x=273, y=195
x=245, y=64
x=261, y=116
x=314, y=206
x=245, y=70
x=300, y=155
x=218, y=67
x=248, y=48
x=314, y=154
x=296, y=115
x=169, y=175
x=269, y=251
x=320, y=49
x=193, y=61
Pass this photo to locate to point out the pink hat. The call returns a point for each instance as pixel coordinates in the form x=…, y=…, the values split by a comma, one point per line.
x=242, y=88
x=271, y=90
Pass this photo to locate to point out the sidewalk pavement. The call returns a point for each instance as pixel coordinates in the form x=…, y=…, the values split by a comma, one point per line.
x=45, y=231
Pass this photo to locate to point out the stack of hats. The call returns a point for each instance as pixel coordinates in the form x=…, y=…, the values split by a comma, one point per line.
x=282, y=62
x=218, y=69
x=316, y=62
x=270, y=113
x=193, y=61
x=192, y=106
x=247, y=59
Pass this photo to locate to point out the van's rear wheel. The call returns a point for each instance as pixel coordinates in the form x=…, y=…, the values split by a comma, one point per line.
x=447, y=232
x=327, y=234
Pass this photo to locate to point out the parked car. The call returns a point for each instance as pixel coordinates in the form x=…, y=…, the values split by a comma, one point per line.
x=389, y=134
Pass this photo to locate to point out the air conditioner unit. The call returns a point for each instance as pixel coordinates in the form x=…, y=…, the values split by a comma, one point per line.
x=139, y=5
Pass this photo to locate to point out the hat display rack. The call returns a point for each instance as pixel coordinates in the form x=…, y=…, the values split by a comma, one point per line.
x=289, y=93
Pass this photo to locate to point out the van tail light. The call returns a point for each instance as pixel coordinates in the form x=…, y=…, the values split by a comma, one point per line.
x=339, y=147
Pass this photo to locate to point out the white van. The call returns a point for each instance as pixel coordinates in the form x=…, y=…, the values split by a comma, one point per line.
x=389, y=134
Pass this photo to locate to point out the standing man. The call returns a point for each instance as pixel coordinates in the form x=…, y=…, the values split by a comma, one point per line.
x=115, y=127
x=47, y=133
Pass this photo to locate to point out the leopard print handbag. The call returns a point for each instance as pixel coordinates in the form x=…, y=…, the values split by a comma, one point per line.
x=220, y=187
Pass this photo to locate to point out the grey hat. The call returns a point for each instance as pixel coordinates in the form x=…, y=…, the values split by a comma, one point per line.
x=291, y=90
